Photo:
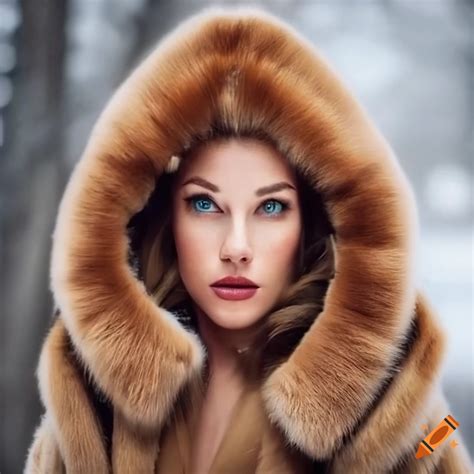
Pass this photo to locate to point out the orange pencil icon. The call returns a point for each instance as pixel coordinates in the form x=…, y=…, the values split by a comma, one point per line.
x=436, y=437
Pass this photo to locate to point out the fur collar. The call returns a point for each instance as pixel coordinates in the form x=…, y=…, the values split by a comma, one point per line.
x=136, y=352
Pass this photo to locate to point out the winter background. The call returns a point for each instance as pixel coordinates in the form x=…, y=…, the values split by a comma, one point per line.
x=409, y=62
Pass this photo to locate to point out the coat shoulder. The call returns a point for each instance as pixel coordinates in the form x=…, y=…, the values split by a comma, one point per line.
x=387, y=437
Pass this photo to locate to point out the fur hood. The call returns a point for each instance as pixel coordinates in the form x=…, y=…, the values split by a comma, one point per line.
x=376, y=335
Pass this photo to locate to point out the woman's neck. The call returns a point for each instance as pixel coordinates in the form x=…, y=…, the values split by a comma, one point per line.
x=224, y=346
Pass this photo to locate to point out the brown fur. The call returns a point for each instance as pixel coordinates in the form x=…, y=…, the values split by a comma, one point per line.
x=248, y=72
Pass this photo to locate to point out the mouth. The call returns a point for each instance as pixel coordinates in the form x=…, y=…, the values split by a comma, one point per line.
x=234, y=293
x=235, y=281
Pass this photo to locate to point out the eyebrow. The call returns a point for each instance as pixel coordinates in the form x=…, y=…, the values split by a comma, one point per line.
x=272, y=188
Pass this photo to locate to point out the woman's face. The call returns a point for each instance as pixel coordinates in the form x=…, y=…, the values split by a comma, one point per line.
x=233, y=226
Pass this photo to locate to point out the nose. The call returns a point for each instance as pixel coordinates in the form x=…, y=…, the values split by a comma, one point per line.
x=236, y=246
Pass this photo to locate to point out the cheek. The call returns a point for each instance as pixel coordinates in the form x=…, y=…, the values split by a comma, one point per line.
x=281, y=246
x=193, y=247
x=282, y=253
x=185, y=246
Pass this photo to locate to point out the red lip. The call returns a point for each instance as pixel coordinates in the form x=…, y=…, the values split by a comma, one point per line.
x=228, y=293
x=235, y=282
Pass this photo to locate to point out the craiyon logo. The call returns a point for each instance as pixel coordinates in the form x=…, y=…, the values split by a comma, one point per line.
x=437, y=436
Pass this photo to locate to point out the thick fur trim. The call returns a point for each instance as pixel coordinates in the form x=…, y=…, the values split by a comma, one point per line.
x=247, y=69
x=394, y=426
x=73, y=421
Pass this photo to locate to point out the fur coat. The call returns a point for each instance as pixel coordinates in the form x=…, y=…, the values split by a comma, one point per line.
x=356, y=391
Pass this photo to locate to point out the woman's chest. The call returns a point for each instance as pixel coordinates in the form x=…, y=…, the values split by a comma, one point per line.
x=213, y=425
x=213, y=438
x=243, y=443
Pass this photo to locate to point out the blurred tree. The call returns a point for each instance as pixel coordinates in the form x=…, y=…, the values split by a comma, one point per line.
x=31, y=183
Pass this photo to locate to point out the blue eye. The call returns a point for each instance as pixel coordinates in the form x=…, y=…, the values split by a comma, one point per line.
x=271, y=204
x=199, y=203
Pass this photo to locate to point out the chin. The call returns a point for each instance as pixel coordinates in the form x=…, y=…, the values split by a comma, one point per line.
x=234, y=322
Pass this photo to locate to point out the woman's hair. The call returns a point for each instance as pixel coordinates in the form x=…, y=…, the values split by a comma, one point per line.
x=153, y=257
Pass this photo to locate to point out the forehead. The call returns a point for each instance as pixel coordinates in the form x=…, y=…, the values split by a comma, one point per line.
x=245, y=161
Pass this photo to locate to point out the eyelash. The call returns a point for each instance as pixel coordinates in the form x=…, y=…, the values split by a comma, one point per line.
x=195, y=197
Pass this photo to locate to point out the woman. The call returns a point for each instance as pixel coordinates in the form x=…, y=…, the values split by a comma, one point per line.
x=332, y=363
x=226, y=224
